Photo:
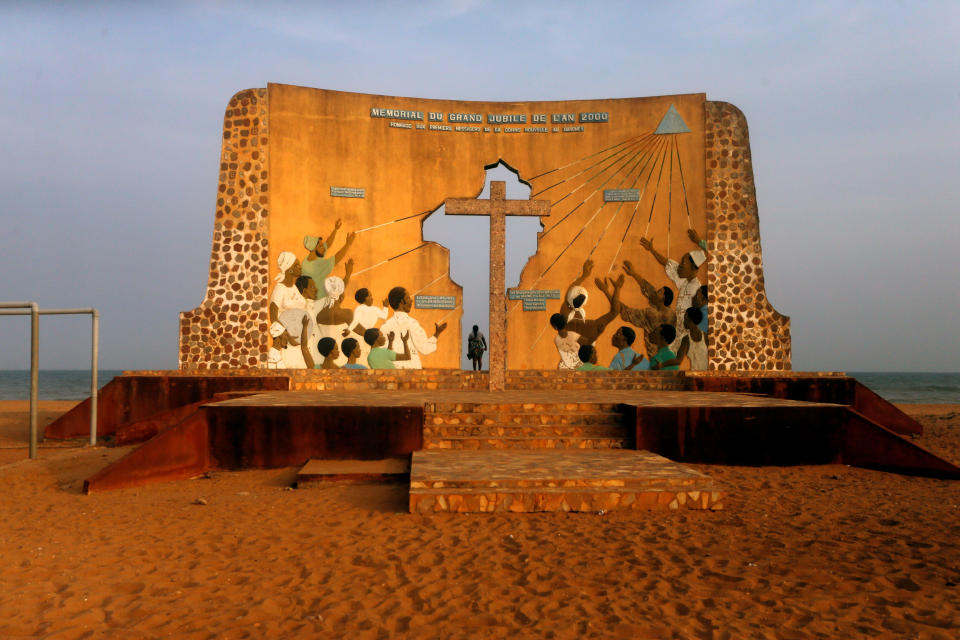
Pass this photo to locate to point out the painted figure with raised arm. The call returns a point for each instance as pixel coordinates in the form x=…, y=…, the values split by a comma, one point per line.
x=683, y=274
x=658, y=310
x=402, y=323
x=572, y=307
x=332, y=319
x=317, y=264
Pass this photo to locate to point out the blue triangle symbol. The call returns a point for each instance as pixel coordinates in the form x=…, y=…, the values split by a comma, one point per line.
x=672, y=123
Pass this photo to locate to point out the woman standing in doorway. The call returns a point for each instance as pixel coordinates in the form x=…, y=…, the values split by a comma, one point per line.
x=476, y=345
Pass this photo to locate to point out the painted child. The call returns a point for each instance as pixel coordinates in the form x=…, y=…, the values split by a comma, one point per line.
x=623, y=340
x=365, y=316
x=383, y=357
x=698, y=339
x=351, y=348
x=665, y=359
x=328, y=349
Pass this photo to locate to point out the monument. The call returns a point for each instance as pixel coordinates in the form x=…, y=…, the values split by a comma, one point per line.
x=648, y=258
x=661, y=187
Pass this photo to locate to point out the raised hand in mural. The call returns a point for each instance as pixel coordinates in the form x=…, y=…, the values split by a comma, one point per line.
x=347, y=272
x=648, y=290
x=304, y=341
x=697, y=240
x=346, y=246
x=439, y=329
x=587, y=270
x=611, y=289
x=405, y=339
x=648, y=245
x=333, y=234
x=390, y=336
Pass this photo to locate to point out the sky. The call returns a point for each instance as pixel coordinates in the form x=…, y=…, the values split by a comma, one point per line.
x=111, y=120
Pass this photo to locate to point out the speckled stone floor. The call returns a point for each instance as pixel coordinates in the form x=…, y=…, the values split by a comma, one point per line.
x=512, y=397
x=555, y=480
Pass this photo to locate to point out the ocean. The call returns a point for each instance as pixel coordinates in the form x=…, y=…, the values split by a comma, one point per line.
x=909, y=387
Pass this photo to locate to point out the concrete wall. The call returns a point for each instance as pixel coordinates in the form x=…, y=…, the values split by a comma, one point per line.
x=275, y=189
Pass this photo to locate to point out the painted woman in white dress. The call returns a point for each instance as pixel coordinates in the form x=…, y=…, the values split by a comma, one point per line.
x=332, y=319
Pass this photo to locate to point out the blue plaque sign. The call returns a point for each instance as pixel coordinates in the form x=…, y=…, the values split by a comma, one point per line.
x=347, y=192
x=435, y=302
x=621, y=195
x=534, y=299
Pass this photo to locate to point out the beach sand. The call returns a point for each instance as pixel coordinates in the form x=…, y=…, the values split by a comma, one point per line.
x=798, y=552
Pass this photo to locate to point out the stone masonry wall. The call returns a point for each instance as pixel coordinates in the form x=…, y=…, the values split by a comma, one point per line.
x=229, y=328
x=746, y=332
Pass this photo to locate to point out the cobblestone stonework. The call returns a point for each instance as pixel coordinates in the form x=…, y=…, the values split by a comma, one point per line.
x=229, y=328
x=746, y=332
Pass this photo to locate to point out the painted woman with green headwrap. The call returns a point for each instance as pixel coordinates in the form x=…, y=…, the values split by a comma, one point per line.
x=317, y=265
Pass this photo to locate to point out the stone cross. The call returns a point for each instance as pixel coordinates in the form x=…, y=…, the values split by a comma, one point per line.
x=497, y=207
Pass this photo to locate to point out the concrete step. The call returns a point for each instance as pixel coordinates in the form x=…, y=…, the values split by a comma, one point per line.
x=319, y=472
x=538, y=418
x=544, y=442
x=528, y=431
x=528, y=481
x=520, y=407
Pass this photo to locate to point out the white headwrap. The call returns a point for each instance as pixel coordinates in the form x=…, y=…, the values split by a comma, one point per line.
x=284, y=261
x=277, y=329
x=576, y=311
x=698, y=257
x=334, y=287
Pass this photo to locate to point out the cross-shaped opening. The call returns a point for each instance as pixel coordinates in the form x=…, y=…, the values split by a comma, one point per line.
x=468, y=239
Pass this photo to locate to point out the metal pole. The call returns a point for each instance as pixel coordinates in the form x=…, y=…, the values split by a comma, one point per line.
x=34, y=374
x=22, y=309
x=94, y=357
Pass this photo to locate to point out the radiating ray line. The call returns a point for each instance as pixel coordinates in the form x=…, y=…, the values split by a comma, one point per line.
x=684, y=185
x=540, y=175
x=583, y=228
x=569, y=213
x=619, y=206
x=380, y=264
x=636, y=209
x=383, y=224
x=652, y=204
x=580, y=173
x=534, y=343
x=427, y=286
x=651, y=151
x=670, y=198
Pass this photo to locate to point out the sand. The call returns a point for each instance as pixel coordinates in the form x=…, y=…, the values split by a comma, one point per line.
x=799, y=552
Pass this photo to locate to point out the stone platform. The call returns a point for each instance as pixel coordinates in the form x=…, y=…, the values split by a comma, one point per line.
x=555, y=480
x=244, y=419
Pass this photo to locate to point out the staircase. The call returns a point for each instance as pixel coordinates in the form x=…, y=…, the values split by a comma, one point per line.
x=525, y=457
x=525, y=426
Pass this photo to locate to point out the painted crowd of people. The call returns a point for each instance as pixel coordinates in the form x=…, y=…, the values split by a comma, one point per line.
x=314, y=331
x=673, y=322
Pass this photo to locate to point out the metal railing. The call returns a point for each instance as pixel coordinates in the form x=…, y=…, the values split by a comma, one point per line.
x=34, y=311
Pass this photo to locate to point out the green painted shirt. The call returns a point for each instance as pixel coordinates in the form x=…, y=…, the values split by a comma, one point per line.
x=587, y=366
x=662, y=356
x=318, y=269
x=381, y=358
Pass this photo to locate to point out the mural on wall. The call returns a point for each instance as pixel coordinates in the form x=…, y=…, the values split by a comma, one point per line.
x=649, y=252
x=311, y=332
x=668, y=322
x=670, y=319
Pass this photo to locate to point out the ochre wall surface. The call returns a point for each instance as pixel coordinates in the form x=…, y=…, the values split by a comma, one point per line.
x=278, y=187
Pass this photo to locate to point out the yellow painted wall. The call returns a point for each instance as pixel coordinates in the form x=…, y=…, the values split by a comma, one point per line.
x=321, y=138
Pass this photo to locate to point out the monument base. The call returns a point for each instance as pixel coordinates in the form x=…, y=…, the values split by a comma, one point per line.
x=368, y=415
